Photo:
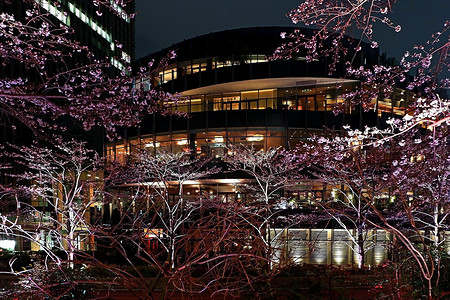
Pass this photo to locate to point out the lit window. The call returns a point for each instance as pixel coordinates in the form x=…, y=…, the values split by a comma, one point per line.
x=120, y=11
x=83, y=17
x=117, y=64
x=255, y=138
x=126, y=57
x=54, y=11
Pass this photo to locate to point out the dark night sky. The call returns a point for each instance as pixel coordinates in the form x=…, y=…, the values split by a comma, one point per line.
x=159, y=24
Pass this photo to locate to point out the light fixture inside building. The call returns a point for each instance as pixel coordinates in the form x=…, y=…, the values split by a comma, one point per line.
x=231, y=180
x=218, y=139
x=182, y=142
x=191, y=182
x=8, y=244
x=151, y=145
x=255, y=138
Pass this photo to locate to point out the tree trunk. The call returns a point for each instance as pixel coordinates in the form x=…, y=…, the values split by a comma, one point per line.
x=360, y=248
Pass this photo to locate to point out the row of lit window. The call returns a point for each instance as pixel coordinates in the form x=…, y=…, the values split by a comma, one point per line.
x=219, y=104
x=125, y=57
x=116, y=63
x=83, y=17
x=313, y=99
x=102, y=32
x=63, y=17
x=304, y=193
x=323, y=98
x=187, y=68
x=211, y=144
x=52, y=9
x=120, y=11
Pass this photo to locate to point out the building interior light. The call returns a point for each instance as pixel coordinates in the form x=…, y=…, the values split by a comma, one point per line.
x=117, y=64
x=126, y=57
x=96, y=27
x=8, y=244
x=335, y=194
x=230, y=180
x=218, y=139
x=151, y=145
x=255, y=138
x=60, y=15
x=153, y=232
x=191, y=182
x=182, y=142
x=120, y=11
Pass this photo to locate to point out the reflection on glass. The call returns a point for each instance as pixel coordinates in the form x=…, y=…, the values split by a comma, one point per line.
x=327, y=246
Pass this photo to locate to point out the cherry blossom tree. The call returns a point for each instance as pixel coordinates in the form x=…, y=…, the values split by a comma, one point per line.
x=53, y=86
x=57, y=177
x=62, y=183
x=194, y=241
x=340, y=29
x=49, y=207
x=270, y=173
x=352, y=176
x=404, y=160
x=191, y=243
x=400, y=187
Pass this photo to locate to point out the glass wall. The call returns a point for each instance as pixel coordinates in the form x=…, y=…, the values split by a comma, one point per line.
x=329, y=246
x=210, y=143
x=313, y=98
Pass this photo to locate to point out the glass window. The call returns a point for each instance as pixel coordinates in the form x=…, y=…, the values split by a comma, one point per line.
x=249, y=95
x=196, y=105
x=295, y=136
x=216, y=143
x=202, y=144
x=321, y=102
x=252, y=104
x=231, y=101
x=275, y=139
x=180, y=143
x=134, y=146
x=110, y=152
x=121, y=154
x=148, y=143
x=213, y=102
x=237, y=136
x=310, y=103
x=163, y=142
x=218, y=104
x=269, y=97
x=182, y=106
x=256, y=138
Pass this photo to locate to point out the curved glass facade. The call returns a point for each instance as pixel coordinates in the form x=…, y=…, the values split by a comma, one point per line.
x=264, y=104
x=271, y=115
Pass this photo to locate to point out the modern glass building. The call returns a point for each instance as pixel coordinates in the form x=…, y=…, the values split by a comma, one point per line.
x=107, y=32
x=233, y=93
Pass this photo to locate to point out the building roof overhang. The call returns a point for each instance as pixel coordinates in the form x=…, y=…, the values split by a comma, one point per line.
x=266, y=83
x=158, y=184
